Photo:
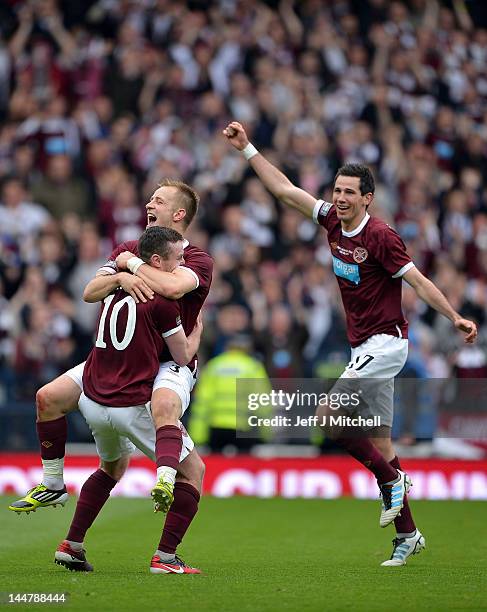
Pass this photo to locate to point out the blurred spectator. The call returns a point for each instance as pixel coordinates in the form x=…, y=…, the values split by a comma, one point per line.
x=60, y=191
x=89, y=260
x=219, y=413
x=282, y=344
x=20, y=220
x=121, y=215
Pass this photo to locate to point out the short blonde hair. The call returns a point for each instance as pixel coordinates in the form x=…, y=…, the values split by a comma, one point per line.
x=189, y=199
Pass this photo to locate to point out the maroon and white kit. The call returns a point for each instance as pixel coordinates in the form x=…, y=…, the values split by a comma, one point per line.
x=122, y=366
x=368, y=263
x=196, y=261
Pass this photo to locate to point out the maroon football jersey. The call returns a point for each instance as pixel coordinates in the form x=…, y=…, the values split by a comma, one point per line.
x=201, y=265
x=122, y=366
x=368, y=263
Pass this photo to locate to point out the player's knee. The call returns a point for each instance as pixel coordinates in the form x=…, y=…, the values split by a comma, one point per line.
x=166, y=410
x=321, y=415
x=48, y=405
x=115, y=469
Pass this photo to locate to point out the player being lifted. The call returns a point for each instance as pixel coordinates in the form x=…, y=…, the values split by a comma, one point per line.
x=117, y=384
x=369, y=261
x=173, y=204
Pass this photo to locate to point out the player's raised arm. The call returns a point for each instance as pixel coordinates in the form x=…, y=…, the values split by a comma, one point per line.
x=272, y=178
x=172, y=285
x=183, y=348
x=429, y=293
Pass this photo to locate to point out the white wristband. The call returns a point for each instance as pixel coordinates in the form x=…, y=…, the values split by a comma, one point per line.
x=249, y=151
x=134, y=263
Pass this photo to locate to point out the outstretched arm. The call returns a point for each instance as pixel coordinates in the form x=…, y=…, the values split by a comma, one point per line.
x=429, y=293
x=272, y=178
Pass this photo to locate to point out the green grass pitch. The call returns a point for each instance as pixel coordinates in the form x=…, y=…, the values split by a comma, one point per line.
x=257, y=555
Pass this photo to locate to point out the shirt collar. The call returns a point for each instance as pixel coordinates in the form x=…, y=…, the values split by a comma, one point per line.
x=358, y=229
x=185, y=243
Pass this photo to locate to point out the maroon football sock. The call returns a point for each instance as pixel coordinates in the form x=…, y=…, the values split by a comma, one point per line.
x=364, y=451
x=404, y=523
x=179, y=517
x=169, y=441
x=52, y=438
x=94, y=493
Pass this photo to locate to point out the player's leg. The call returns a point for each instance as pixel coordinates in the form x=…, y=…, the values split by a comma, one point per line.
x=53, y=402
x=369, y=377
x=137, y=425
x=187, y=492
x=170, y=398
x=114, y=451
x=93, y=496
x=409, y=540
x=356, y=443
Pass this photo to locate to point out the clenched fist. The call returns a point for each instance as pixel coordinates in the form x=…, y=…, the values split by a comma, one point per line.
x=236, y=135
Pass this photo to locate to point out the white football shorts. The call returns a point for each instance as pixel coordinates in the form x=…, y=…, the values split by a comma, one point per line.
x=76, y=374
x=118, y=431
x=179, y=379
x=371, y=371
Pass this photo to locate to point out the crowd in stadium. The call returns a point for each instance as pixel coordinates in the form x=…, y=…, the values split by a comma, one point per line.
x=99, y=102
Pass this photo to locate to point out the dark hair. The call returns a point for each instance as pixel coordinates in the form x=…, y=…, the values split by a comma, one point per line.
x=12, y=178
x=156, y=240
x=188, y=198
x=367, y=183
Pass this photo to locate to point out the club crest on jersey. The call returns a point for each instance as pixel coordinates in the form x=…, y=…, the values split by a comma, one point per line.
x=333, y=245
x=360, y=254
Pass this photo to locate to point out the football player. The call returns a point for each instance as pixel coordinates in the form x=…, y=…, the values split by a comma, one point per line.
x=370, y=262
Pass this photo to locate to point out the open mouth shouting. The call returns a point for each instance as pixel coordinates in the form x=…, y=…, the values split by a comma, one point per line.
x=151, y=219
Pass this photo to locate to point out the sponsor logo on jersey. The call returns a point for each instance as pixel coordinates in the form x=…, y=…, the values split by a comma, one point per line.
x=343, y=251
x=347, y=271
x=360, y=254
x=334, y=246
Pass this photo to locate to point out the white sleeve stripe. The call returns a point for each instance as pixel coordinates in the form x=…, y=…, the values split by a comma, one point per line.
x=106, y=270
x=172, y=331
x=316, y=209
x=193, y=273
x=403, y=270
